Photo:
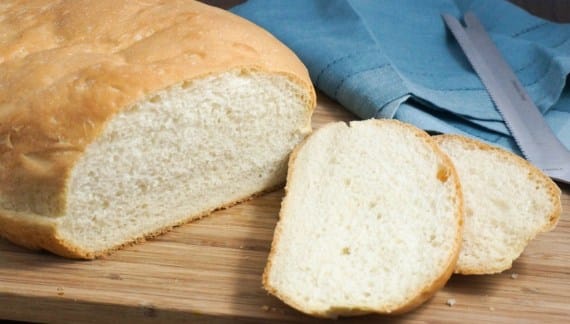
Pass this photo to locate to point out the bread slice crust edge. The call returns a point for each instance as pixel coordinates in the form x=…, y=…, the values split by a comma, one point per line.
x=553, y=189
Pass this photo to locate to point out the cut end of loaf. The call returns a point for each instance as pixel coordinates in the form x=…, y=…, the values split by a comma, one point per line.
x=507, y=203
x=182, y=153
x=371, y=221
x=75, y=105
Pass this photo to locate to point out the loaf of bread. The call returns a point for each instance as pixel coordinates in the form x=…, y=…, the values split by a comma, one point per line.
x=507, y=203
x=371, y=221
x=120, y=119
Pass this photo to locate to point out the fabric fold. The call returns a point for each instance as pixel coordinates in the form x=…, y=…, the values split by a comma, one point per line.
x=395, y=59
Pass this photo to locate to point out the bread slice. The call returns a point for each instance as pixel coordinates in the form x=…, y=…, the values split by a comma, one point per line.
x=120, y=119
x=371, y=221
x=508, y=202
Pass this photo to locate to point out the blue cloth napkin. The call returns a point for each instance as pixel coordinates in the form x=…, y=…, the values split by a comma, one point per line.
x=395, y=59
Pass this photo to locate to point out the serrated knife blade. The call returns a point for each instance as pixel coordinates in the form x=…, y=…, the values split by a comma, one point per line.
x=523, y=119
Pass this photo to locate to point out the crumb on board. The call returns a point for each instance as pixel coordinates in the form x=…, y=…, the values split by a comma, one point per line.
x=451, y=301
x=492, y=309
x=265, y=308
x=514, y=275
x=60, y=291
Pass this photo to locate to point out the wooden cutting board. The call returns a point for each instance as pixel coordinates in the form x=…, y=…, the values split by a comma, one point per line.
x=210, y=271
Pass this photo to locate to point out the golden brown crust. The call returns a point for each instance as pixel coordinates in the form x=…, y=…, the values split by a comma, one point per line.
x=67, y=67
x=425, y=293
x=554, y=191
x=34, y=232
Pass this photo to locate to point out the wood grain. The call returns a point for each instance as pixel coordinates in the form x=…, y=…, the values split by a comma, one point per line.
x=210, y=271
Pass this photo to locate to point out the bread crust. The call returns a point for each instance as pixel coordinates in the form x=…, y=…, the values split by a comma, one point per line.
x=424, y=293
x=554, y=191
x=68, y=67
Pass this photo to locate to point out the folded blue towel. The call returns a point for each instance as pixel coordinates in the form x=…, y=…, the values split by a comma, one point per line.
x=395, y=59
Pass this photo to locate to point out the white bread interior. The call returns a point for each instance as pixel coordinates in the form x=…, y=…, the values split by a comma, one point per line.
x=182, y=153
x=371, y=221
x=507, y=203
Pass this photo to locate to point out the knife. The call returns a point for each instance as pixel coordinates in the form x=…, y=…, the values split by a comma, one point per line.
x=532, y=134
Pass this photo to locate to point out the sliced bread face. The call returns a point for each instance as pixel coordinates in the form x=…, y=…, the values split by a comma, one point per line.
x=171, y=158
x=181, y=154
x=507, y=203
x=371, y=221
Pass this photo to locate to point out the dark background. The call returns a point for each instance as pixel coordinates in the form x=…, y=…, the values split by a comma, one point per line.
x=555, y=10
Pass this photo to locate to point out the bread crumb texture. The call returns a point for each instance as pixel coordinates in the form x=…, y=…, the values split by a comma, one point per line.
x=370, y=222
x=507, y=203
